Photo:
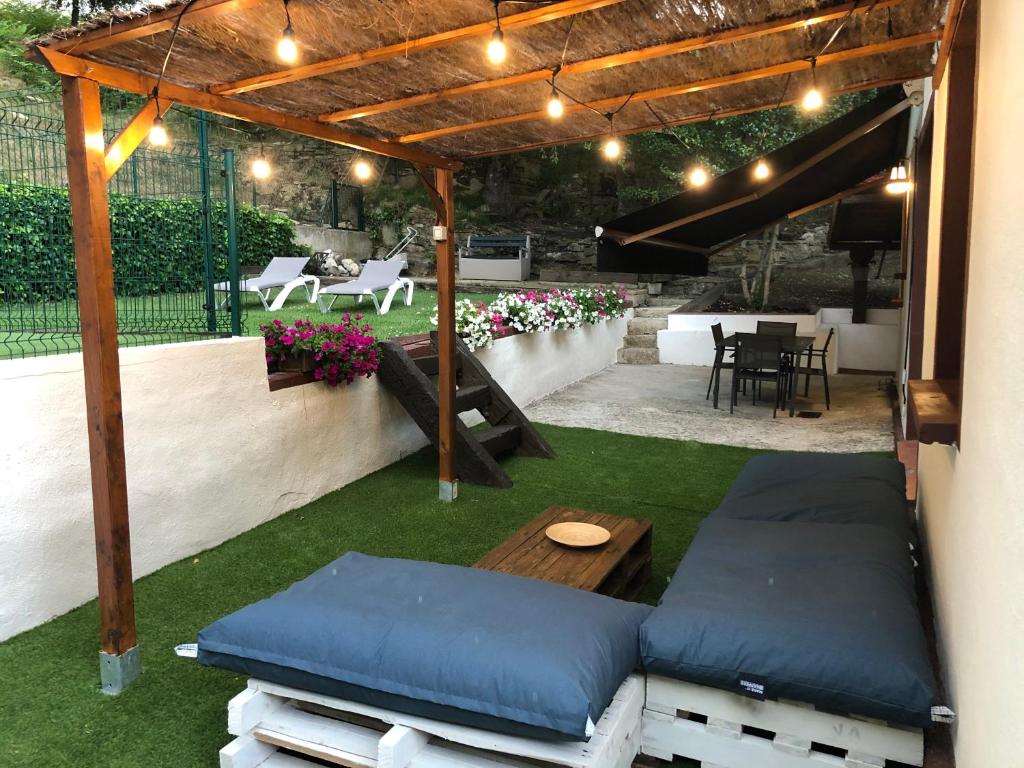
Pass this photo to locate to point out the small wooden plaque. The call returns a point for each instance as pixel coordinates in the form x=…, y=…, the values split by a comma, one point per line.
x=578, y=535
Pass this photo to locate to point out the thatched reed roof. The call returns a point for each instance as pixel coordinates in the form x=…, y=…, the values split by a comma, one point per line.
x=226, y=47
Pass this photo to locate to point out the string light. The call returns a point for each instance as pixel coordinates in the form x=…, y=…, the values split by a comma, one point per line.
x=260, y=166
x=899, y=182
x=496, y=50
x=813, y=99
x=157, y=133
x=555, y=106
x=287, y=50
x=612, y=148
x=762, y=171
x=362, y=170
x=698, y=177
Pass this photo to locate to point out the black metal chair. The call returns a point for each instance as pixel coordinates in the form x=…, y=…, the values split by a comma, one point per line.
x=775, y=328
x=720, y=361
x=759, y=358
x=813, y=356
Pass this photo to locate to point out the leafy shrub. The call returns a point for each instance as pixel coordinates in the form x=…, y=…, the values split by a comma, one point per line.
x=157, y=243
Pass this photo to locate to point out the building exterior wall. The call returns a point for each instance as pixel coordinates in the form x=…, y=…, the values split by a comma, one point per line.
x=211, y=451
x=971, y=497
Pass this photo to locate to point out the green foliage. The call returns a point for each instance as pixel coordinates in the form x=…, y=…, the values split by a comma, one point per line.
x=21, y=21
x=157, y=243
x=657, y=161
x=389, y=205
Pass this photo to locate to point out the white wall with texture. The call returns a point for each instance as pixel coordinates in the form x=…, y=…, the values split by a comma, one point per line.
x=211, y=451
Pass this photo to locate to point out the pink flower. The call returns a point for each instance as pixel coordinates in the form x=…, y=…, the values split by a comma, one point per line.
x=287, y=339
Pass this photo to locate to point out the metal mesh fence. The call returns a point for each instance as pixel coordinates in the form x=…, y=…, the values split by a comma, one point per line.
x=169, y=230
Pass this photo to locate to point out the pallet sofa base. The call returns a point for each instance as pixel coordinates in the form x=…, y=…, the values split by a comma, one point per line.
x=724, y=730
x=267, y=718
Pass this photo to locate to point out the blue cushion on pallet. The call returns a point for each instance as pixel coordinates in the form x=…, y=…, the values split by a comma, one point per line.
x=468, y=646
x=815, y=612
x=822, y=488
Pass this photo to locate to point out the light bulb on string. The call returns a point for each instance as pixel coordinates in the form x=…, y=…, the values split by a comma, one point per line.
x=813, y=100
x=612, y=148
x=496, y=50
x=762, y=170
x=555, y=106
x=260, y=168
x=899, y=182
x=157, y=133
x=698, y=177
x=362, y=170
x=287, y=49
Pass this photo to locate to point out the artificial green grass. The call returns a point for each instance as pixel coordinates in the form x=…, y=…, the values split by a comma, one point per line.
x=52, y=713
x=399, y=321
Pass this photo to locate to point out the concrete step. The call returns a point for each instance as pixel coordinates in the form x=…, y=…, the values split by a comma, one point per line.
x=672, y=302
x=655, y=311
x=642, y=325
x=642, y=340
x=638, y=356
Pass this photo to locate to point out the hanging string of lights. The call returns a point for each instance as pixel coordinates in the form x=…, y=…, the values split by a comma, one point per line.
x=698, y=175
x=158, y=136
x=287, y=49
x=496, y=50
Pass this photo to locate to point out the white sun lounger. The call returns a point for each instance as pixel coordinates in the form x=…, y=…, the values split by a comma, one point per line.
x=376, y=276
x=284, y=272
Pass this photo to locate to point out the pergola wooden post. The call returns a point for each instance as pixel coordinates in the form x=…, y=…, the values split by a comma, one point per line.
x=444, y=184
x=90, y=218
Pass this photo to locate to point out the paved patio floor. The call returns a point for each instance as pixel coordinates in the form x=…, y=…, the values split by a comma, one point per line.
x=668, y=401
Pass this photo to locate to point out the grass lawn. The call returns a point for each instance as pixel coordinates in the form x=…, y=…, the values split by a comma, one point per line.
x=172, y=317
x=399, y=321
x=51, y=711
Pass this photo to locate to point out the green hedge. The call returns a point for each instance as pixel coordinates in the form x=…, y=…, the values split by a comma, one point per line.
x=157, y=243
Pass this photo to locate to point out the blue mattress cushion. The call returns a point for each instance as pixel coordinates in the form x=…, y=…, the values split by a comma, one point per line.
x=820, y=487
x=468, y=646
x=814, y=612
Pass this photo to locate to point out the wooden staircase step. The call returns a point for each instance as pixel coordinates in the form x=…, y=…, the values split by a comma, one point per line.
x=472, y=398
x=500, y=439
x=429, y=364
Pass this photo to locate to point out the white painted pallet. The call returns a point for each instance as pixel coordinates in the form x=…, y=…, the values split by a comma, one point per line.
x=267, y=717
x=720, y=737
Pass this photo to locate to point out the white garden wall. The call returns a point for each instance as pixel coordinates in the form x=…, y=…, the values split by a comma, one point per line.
x=211, y=451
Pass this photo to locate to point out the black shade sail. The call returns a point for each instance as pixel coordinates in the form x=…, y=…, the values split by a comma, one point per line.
x=678, y=235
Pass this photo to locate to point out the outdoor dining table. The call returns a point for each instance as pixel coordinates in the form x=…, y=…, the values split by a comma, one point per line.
x=795, y=346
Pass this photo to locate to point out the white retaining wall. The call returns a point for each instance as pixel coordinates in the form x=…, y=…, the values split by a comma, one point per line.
x=870, y=346
x=211, y=451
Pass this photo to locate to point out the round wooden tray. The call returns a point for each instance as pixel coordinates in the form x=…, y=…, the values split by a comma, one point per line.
x=577, y=535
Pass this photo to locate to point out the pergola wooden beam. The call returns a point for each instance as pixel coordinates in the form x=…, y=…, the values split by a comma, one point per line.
x=444, y=186
x=725, y=81
x=529, y=18
x=90, y=224
x=698, y=118
x=688, y=45
x=953, y=12
x=131, y=136
x=135, y=82
x=150, y=24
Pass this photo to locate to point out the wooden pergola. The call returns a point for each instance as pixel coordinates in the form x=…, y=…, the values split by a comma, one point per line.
x=409, y=80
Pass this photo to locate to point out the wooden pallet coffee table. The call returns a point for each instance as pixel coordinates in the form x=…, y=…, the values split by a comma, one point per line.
x=618, y=568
